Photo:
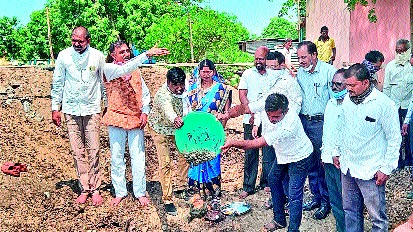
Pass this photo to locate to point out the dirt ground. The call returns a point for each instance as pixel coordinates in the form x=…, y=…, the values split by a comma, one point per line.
x=43, y=198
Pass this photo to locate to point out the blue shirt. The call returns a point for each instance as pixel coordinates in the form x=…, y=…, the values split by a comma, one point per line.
x=315, y=88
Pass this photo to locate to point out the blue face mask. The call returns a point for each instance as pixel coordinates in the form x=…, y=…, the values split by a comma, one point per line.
x=340, y=95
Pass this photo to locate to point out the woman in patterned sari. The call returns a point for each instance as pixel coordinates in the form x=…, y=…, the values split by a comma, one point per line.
x=207, y=93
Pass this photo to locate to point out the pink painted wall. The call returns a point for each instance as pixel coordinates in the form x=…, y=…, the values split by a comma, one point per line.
x=354, y=34
x=393, y=23
x=336, y=17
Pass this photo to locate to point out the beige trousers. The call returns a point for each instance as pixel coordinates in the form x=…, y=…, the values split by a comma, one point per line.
x=163, y=144
x=84, y=141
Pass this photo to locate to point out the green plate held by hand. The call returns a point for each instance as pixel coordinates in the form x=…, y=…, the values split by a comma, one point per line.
x=201, y=133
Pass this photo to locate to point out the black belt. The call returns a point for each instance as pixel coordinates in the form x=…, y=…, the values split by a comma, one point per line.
x=318, y=117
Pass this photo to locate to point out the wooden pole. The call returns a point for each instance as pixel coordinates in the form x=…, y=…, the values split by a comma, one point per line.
x=49, y=36
x=299, y=22
x=191, y=45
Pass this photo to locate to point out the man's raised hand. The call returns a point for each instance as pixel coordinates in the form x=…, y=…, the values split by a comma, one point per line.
x=157, y=52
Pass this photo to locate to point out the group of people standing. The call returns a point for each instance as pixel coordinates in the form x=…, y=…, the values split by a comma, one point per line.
x=83, y=78
x=346, y=135
x=333, y=126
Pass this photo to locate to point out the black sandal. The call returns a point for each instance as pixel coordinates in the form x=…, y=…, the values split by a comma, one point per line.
x=273, y=226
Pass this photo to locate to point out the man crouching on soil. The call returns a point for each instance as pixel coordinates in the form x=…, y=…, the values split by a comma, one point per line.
x=170, y=104
x=282, y=130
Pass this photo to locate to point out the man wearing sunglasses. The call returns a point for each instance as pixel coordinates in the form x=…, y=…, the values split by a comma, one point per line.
x=328, y=149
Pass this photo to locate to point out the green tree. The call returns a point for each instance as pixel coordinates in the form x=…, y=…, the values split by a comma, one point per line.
x=32, y=39
x=280, y=28
x=8, y=33
x=351, y=4
x=215, y=36
x=163, y=22
x=107, y=21
x=291, y=5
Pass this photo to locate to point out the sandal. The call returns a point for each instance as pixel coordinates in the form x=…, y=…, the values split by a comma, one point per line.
x=10, y=169
x=273, y=226
x=22, y=167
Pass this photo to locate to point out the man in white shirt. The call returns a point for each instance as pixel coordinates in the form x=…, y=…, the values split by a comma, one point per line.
x=276, y=61
x=287, y=50
x=328, y=149
x=398, y=86
x=283, y=131
x=282, y=82
x=77, y=91
x=369, y=150
x=252, y=82
x=408, y=130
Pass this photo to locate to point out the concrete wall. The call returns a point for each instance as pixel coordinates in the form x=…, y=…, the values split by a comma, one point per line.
x=336, y=17
x=393, y=23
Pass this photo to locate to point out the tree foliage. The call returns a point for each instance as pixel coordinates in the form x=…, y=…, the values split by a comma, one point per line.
x=140, y=22
x=291, y=5
x=8, y=33
x=107, y=20
x=280, y=28
x=351, y=4
x=32, y=39
x=215, y=36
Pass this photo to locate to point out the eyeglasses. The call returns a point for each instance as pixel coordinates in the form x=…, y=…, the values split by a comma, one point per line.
x=338, y=84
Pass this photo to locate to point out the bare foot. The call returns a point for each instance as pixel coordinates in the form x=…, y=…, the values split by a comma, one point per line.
x=81, y=199
x=96, y=199
x=115, y=201
x=243, y=195
x=144, y=201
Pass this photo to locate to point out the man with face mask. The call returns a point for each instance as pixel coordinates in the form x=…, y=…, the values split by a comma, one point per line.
x=251, y=85
x=373, y=61
x=315, y=77
x=398, y=85
x=368, y=152
x=330, y=143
